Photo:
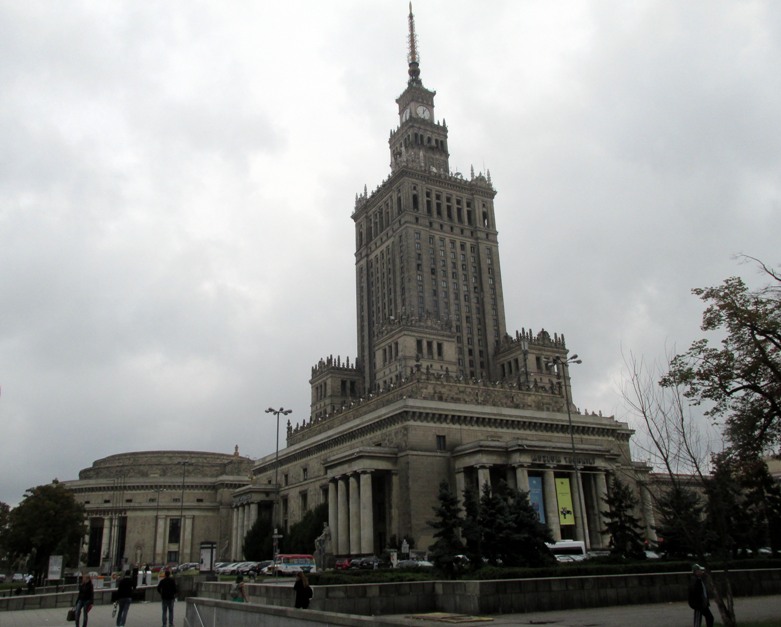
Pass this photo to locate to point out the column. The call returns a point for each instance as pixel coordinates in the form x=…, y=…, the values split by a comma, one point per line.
x=522, y=478
x=235, y=534
x=333, y=515
x=114, y=540
x=483, y=477
x=367, y=514
x=160, y=544
x=648, y=512
x=343, y=517
x=601, y=489
x=186, y=540
x=460, y=486
x=240, y=539
x=551, y=503
x=355, y=515
x=579, y=504
x=104, y=540
x=393, y=503
x=253, y=517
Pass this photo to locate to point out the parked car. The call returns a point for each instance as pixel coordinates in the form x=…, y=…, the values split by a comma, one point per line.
x=258, y=567
x=231, y=568
x=343, y=563
x=414, y=564
x=2, y=578
x=18, y=578
x=247, y=568
x=186, y=566
x=568, y=550
x=367, y=563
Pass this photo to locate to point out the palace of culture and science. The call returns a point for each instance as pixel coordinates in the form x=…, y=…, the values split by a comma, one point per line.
x=440, y=390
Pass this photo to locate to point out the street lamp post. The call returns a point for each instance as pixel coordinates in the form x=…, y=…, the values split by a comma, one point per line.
x=275, y=507
x=564, y=363
x=184, y=465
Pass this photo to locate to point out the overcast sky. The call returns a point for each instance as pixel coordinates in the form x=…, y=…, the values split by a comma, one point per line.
x=177, y=180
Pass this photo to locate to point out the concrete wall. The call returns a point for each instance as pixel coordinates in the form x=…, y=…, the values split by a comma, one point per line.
x=213, y=612
x=497, y=596
x=68, y=599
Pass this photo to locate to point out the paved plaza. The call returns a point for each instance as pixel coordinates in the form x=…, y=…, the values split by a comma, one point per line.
x=766, y=608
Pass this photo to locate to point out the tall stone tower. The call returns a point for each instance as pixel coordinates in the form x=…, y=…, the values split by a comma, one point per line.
x=439, y=390
x=428, y=278
x=429, y=287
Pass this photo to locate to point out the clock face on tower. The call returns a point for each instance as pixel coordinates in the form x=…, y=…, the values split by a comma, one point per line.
x=406, y=114
x=423, y=112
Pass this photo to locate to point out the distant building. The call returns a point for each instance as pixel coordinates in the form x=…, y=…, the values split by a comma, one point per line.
x=440, y=390
x=157, y=507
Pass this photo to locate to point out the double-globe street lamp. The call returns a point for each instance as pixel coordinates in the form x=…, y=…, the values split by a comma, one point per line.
x=564, y=373
x=274, y=511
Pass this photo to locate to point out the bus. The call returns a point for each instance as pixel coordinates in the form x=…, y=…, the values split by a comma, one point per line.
x=292, y=563
x=568, y=550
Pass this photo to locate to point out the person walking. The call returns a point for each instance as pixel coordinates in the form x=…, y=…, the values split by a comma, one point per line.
x=84, y=599
x=167, y=590
x=124, y=598
x=303, y=591
x=698, y=598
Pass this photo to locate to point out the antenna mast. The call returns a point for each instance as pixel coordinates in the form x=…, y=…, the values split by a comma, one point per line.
x=412, y=58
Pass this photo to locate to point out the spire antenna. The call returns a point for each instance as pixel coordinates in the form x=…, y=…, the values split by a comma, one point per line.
x=412, y=58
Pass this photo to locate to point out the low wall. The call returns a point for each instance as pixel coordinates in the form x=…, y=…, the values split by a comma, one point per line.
x=68, y=599
x=496, y=596
x=214, y=612
x=365, y=599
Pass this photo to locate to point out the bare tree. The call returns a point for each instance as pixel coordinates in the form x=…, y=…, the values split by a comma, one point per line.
x=675, y=441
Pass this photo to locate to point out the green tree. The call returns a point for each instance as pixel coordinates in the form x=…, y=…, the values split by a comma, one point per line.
x=626, y=537
x=682, y=530
x=258, y=543
x=5, y=510
x=302, y=535
x=525, y=537
x=508, y=529
x=493, y=519
x=447, y=523
x=740, y=380
x=47, y=522
x=470, y=529
x=744, y=504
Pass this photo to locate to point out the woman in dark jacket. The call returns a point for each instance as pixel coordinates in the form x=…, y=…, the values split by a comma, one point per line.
x=303, y=591
x=84, y=599
x=124, y=597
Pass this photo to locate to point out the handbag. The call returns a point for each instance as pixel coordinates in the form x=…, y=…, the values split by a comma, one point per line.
x=71, y=615
x=114, y=610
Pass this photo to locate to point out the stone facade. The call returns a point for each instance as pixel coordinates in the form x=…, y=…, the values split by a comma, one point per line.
x=135, y=503
x=440, y=390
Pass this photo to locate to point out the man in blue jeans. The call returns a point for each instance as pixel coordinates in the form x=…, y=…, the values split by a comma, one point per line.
x=167, y=590
x=124, y=598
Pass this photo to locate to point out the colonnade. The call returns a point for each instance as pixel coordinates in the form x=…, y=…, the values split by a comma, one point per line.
x=244, y=516
x=351, y=513
x=588, y=489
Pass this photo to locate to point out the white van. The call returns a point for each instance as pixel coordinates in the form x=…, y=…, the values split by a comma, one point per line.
x=568, y=550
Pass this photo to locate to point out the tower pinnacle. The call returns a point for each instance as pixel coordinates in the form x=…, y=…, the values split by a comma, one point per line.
x=412, y=57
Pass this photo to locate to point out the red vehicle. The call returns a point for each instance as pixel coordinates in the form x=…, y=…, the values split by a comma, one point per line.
x=343, y=563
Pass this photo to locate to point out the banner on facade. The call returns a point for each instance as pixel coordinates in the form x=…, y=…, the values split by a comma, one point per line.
x=564, y=498
x=535, y=497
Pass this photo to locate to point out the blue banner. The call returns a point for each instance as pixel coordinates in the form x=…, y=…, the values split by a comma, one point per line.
x=535, y=497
